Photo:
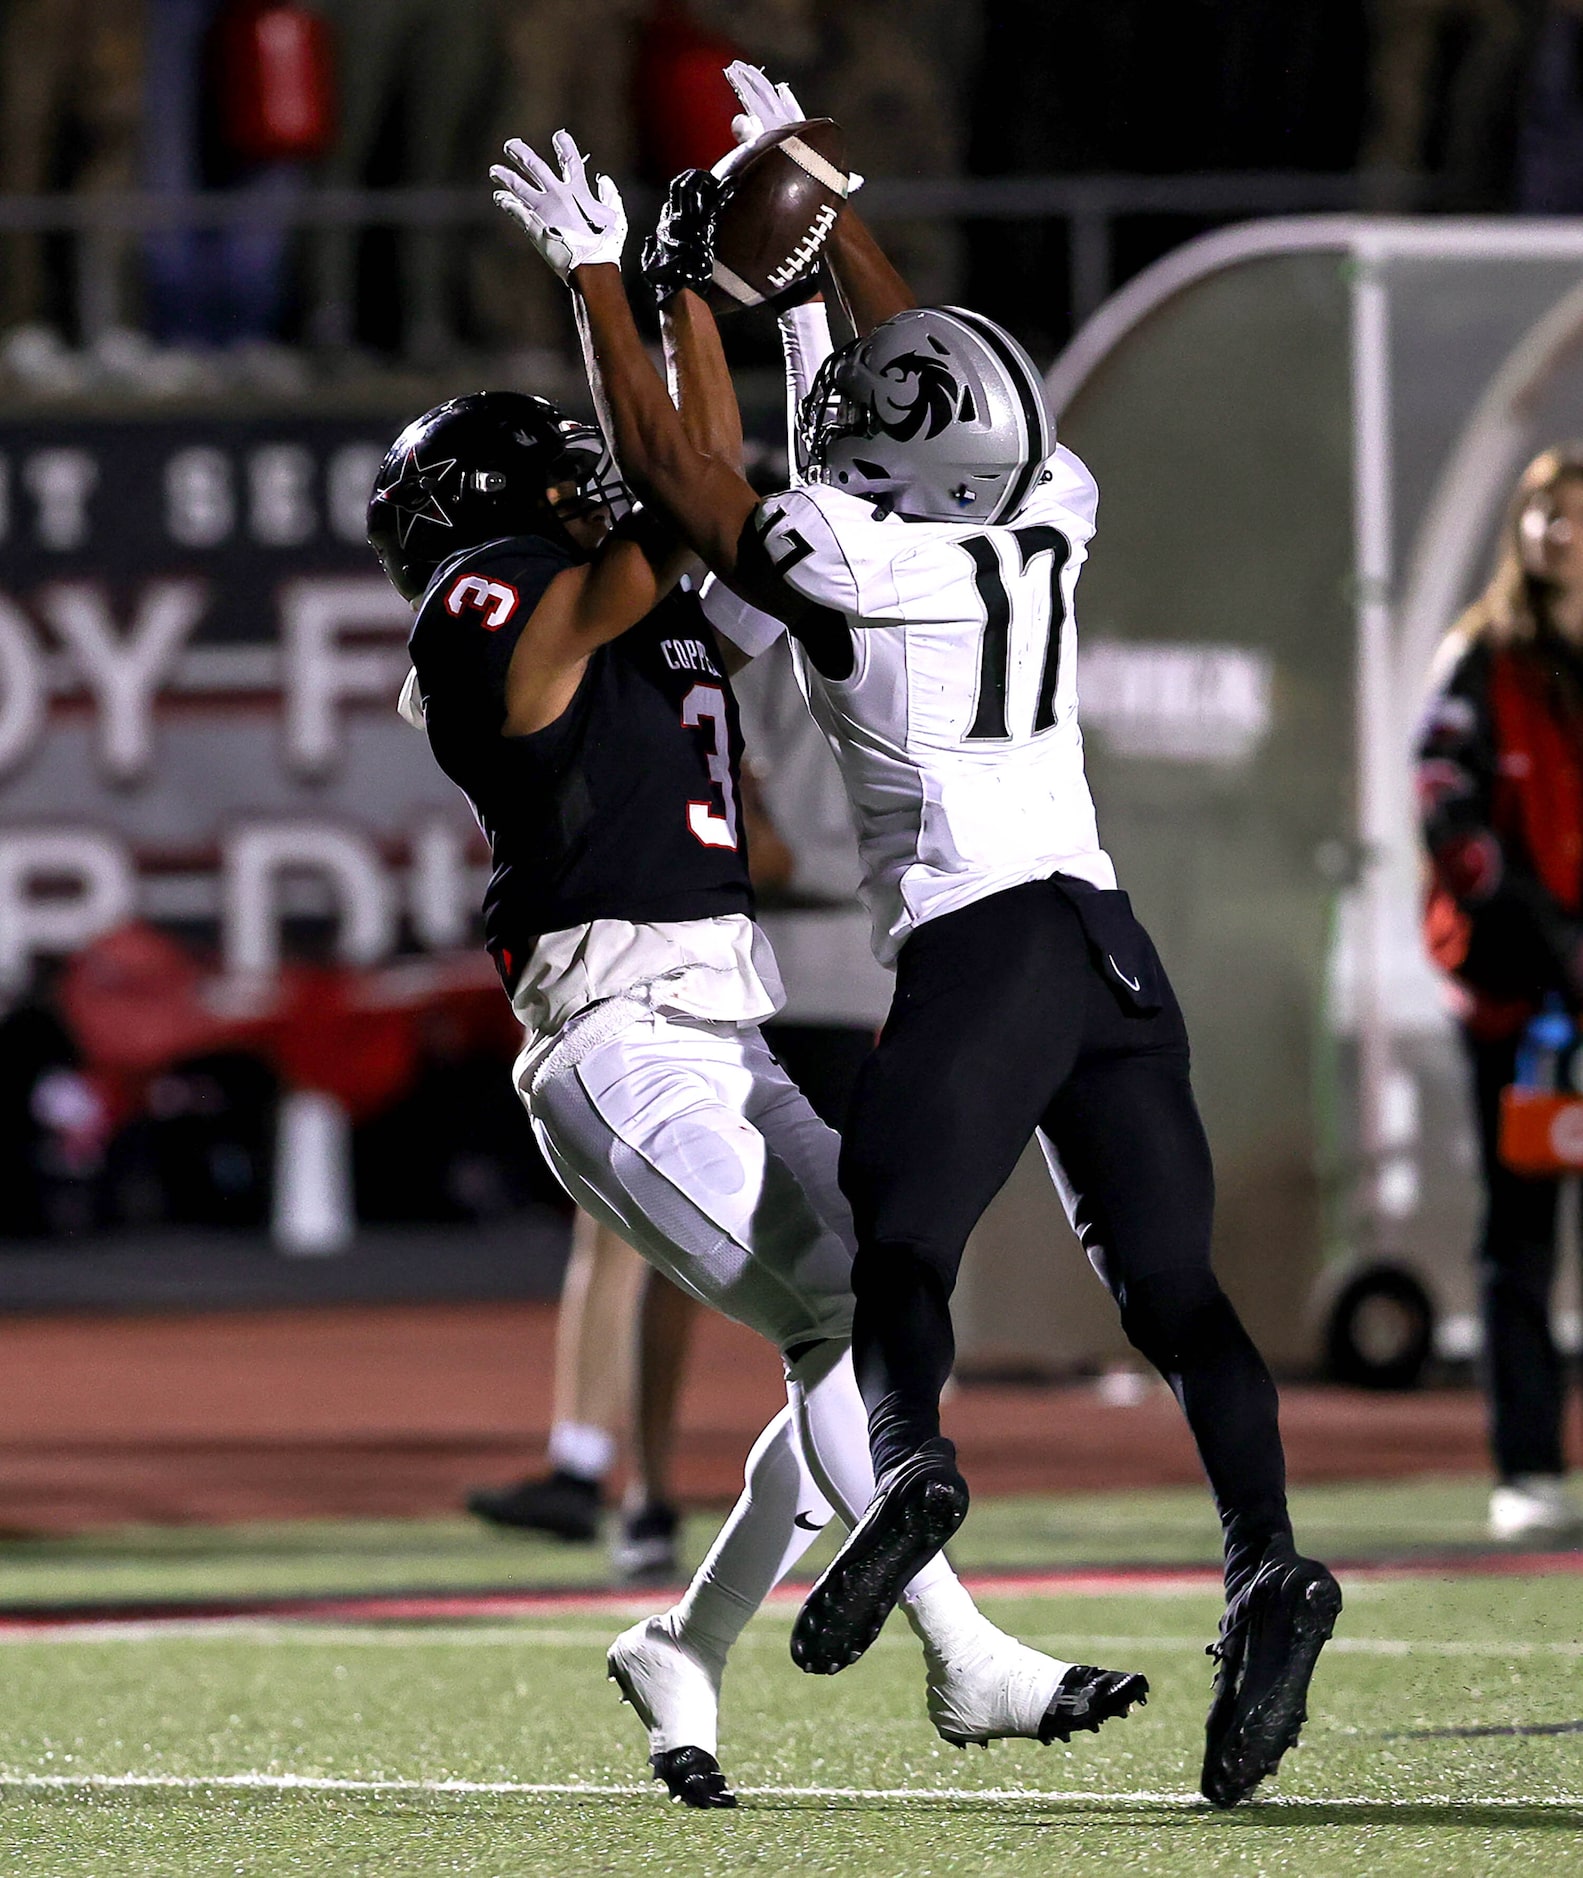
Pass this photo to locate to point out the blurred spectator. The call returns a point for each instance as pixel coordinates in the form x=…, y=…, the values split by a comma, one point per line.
x=681, y=102
x=1446, y=78
x=897, y=76
x=422, y=68
x=1500, y=787
x=41, y=1190
x=1133, y=89
x=237, y=94
x=1550, y=145
x=70, y=110
x=564, y=63
x=641, y=87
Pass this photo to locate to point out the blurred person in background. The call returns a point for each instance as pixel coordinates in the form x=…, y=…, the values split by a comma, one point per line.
x=1500, y=792
x=593, y=1376
x=1446, y=79
x=423, y=69
x=557, y=58
x=71, y=105
x=642, y=81
x=897, y=76
x=1550, y=141
x=238, y=94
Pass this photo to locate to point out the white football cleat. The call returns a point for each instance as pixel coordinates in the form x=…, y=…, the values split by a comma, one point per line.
x=675, y=1693
x=1533, y=1506
x=996, y=1689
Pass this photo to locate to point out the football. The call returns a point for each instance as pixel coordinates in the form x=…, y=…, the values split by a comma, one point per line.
x=783, y=194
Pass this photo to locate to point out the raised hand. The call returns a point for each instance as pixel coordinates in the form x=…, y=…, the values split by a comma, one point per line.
x=571, y=221
x=681, y=251
x=765, y=105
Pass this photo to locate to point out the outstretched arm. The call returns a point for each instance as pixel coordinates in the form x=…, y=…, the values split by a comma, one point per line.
x=579, y=230
x=869, y=287
x=708, y=498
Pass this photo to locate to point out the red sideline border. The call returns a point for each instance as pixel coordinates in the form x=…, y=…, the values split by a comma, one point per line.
x=475, y=1606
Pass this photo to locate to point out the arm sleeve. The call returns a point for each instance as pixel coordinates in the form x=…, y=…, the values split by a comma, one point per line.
x=748, y=629
x=806, y=344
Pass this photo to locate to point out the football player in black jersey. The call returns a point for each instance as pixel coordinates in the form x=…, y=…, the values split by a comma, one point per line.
x=1008, y=1018
x=571, y=686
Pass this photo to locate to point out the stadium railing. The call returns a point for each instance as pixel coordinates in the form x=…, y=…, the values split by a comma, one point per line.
x=1089, y=205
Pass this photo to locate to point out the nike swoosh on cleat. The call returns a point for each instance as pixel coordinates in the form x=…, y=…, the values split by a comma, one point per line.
x=1132, y=984
x=810, y=1525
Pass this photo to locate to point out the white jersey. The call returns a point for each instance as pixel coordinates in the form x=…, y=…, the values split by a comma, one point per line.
x=956, y=728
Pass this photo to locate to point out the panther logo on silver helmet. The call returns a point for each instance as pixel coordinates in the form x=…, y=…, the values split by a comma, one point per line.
x=938, y=413
x=933, y=401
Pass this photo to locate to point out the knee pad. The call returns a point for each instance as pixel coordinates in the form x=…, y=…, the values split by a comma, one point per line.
x=1175, y=1318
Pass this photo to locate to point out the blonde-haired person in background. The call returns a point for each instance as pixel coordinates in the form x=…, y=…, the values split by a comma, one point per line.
x=1500, y=791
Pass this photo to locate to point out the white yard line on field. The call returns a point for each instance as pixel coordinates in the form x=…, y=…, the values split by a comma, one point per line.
x=307, y=1633
x=575, y=1789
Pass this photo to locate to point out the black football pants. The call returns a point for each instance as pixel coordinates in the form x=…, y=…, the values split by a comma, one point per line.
x=1524, y=1373
x=1045, y=1007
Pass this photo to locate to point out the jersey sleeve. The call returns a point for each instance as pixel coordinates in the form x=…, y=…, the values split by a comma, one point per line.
x=748, y=629
x=796, y=559
x=469, y=625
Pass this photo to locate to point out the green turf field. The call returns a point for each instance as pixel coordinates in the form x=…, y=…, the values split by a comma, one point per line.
x=496, y=1749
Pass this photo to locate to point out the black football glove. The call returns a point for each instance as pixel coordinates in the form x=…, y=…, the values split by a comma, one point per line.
x=681, y=251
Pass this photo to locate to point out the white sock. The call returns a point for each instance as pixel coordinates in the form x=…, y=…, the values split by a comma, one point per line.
x=757, y=1546
x=942, y=1614
x=582, y=1448
x=834, y=1426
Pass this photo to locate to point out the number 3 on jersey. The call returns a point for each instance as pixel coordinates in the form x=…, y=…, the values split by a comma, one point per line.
x=705, y=707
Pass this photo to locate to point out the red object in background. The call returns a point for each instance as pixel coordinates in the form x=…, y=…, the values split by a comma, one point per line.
x=681, y=101
x=275, y=73
x=136, y=1001
x=1541, y=1133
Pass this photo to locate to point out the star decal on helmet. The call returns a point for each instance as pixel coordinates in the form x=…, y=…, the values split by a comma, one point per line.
x=415, y=494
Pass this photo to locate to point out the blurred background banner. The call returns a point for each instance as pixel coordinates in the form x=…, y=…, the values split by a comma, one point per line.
x=200, y=661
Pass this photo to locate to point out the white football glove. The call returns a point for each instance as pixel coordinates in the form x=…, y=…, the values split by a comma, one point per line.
x=570, y=222
x=765, y=106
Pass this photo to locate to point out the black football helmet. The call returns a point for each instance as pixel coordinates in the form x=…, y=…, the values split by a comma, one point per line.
x=479, y=468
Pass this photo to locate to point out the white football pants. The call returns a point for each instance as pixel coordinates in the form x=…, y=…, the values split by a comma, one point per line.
x=693, y=1143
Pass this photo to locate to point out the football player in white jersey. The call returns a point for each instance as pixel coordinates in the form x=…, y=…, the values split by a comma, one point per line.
x=925, y=568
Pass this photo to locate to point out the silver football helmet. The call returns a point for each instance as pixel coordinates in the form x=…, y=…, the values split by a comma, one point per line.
x=938, y=413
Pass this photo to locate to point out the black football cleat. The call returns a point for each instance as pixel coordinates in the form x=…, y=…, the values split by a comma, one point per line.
x=917, y=1506
x=1087, y=1699
x=692, y=1777
x=561, y=1504
x=1270, y=1639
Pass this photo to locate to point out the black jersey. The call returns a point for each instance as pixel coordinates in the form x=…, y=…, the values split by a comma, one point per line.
x=627, y=806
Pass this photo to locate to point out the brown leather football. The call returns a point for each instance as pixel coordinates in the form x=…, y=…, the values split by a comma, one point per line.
x=783, y=194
